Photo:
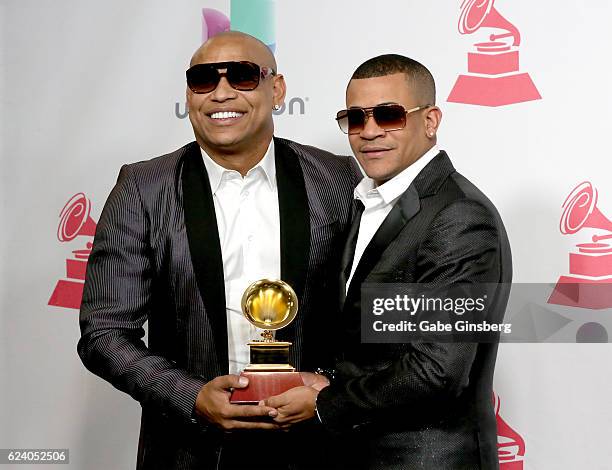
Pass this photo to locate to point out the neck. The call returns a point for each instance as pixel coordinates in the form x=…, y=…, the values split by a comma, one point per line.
x=240, y=160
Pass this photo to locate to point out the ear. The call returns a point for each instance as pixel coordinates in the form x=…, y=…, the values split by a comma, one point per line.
x=433, y=117
x=279, y=90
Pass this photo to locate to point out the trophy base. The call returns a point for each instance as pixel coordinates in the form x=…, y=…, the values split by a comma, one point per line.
x=493, y=90
x=514, y=465
x=269, y=368
x=577, y=292
x=67, y=294
x=598, y=264
x=263, y=385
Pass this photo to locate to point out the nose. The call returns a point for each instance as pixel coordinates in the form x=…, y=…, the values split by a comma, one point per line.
x=371, y=130
x=224, y=91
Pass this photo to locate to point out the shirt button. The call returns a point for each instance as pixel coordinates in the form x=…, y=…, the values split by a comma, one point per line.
x=245, y=194
x=250, y=238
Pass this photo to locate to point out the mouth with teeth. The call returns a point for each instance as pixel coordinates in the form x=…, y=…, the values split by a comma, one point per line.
x=225, y=116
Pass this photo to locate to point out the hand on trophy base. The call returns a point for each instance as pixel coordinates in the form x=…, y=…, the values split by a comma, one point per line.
x=316, y=381
x=214, y=406
x=293, y=406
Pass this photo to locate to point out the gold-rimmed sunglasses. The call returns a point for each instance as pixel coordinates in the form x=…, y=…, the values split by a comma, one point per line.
x=389, y=117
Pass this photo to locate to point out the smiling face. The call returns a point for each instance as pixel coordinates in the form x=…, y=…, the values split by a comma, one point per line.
x=228, y=121
x=384, y=154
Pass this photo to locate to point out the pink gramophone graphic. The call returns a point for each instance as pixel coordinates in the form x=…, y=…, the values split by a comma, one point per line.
x=75, y=221
x=589, y=284
x=493, y=77
x=510, y=444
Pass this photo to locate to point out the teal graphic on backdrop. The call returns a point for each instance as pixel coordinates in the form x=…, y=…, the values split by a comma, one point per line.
x=257, y=18
x=254, y=17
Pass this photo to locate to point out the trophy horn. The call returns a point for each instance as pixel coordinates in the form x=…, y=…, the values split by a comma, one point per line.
x=75, y=219
x=269, y=304
x=476, y=14
x=511, y=444
x=580, y=211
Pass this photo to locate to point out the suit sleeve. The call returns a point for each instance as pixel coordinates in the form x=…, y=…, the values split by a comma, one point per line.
x=116, y=303
x=461, y=246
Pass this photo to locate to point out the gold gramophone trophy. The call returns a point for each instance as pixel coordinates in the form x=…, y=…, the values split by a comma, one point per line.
x=269, y=305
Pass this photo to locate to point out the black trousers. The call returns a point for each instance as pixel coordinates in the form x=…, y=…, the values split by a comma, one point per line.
x=305, y=447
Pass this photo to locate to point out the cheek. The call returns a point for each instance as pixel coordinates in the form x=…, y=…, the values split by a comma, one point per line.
x=194, y=103
x=361, y=161
x=260, y=116
x=190, y=98
x=354, y=143
x=194, y=116
x=257, y=102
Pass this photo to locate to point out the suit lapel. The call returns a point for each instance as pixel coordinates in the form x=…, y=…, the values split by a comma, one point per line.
x=204, y=246
x=406, y=207
x=427, y=183
x=346, y=262
x=294, y=223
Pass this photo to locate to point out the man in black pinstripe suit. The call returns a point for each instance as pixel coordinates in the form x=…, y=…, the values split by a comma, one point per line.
x=182, y=234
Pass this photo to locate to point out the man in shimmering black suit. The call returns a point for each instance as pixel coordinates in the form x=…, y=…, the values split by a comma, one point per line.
x=413, y=405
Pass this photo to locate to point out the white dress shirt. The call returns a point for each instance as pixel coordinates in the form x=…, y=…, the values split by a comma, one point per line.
x=248, y=220
x=379, y=200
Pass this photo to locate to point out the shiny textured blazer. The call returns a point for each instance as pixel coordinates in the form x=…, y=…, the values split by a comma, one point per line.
x=422, y=405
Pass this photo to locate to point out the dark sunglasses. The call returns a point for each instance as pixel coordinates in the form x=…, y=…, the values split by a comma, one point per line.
x=389, y=117
x=243, y=76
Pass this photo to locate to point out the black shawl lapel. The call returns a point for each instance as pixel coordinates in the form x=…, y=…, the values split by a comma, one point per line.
x=204, y=246
x=348, y=254
x=294, y=223
x=349, y=248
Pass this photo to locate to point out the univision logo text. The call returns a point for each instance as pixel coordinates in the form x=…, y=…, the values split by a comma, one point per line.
x=295, y=106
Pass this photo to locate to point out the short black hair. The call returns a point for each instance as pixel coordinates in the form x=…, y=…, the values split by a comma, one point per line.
x=418, y=76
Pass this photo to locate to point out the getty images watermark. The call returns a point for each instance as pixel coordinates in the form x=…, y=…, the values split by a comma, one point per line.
x=481, y=313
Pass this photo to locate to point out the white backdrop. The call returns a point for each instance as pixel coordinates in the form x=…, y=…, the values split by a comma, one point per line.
x=87, y=86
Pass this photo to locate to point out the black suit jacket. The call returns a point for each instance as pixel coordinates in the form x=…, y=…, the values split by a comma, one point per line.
x=157, y=258
x=422, y=405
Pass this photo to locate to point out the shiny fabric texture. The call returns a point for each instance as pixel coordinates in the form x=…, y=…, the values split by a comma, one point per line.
x=422, y=405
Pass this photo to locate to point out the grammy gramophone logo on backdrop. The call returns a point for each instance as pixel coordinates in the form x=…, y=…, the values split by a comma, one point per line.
x=75, y=221
x=510, y=444
x=494, y=77
x=589, y=282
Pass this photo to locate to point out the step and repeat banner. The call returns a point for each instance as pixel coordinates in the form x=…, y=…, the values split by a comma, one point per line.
x=524, y=88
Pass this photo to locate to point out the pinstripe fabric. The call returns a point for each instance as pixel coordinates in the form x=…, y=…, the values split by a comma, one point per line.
x=141, y=270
